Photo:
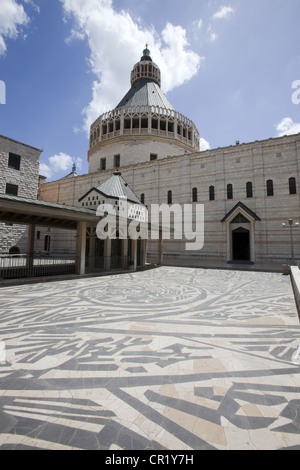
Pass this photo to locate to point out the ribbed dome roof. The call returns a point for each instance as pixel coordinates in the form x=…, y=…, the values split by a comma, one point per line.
x=145, y=93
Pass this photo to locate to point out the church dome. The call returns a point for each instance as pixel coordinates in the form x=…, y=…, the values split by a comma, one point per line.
x=144, y=118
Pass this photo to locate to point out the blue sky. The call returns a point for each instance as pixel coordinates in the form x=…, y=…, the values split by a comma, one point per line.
x=228, y=66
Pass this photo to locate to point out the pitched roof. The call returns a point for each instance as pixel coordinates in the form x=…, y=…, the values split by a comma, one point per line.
x=145, y=93
x=117, y=187
x=244, y=208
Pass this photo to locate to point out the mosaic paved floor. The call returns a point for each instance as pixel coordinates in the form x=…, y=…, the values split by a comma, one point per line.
x=170, y=358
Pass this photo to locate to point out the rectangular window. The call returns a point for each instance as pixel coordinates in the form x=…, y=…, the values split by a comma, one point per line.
x=11, y=189
x=292, y=186
x=14, y=161
x=211, y=193
x=229, y=191
x=103, y=164
x=195, y=195
x=270, y=188
x=249, y=189
x=117, y=161
x=153, y=157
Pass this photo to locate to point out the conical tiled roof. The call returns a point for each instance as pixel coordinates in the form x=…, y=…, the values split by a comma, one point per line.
x=145, y=93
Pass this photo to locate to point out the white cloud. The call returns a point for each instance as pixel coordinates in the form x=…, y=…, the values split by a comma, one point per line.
x=116, y=43
x=59, y=163
x=223, y=12
x=197, y=24
x=212, y=35
x=45, y=170
x=33, y=5
x=287, y=127
x=204, y=145
x=12, y=17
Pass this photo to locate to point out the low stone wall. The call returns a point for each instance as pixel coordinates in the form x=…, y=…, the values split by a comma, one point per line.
x=295, y=278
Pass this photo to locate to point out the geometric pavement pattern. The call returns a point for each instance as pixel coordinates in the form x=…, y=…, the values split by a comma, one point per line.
x=169, y=358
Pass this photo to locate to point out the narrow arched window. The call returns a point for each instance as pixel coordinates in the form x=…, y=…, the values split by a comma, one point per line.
x=229, y=191
x=270, y=188
x=292, y=186
x=170, y=197
x=249, y=189
x=143, y=198
x=211, y=193
x=195, y=195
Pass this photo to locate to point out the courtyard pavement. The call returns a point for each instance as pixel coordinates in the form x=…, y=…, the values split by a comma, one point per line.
x=169, y=358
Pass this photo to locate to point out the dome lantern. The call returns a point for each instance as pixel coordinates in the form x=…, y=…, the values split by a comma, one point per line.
x=146, y=69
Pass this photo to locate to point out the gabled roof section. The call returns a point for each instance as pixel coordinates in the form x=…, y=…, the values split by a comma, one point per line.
x=240, y=207
x=117, y=187
x=145, y=93
x=89, y=192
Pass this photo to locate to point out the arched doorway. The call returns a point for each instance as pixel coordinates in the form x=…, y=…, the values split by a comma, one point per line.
x=241, y=244
x=14, y=250
x=240, y=233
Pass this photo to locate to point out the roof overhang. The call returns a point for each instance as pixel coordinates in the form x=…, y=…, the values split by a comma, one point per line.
x=22, y=211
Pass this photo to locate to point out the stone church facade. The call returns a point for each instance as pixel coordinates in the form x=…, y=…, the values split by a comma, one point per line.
x=248, y=190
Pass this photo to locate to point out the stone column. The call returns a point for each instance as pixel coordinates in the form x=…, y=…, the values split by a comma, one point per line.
x=107, y=254
x=91, y=255
x=160, y=248
x=30, y=247
x=134, y=254
x=124, y=254
x=80, y=248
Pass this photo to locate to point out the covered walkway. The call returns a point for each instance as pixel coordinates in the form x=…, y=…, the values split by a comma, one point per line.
x=124, y=254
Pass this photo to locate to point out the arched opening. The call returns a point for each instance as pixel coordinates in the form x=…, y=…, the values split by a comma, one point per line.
x=14, y=250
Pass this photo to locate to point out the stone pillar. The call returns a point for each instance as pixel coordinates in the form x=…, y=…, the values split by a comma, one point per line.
x=160, y=248
x=107, y=254
x=80, y=248
x=134, y=254
x=30, y=247
x=91, y=255
x=125, y=254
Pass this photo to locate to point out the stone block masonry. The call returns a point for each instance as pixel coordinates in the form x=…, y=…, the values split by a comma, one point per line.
x=22, y=175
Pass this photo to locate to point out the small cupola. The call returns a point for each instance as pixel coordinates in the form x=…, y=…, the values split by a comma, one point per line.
x=146, y=69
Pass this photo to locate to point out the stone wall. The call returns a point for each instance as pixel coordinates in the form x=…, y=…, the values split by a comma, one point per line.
x=27, y=180
x=257, y=162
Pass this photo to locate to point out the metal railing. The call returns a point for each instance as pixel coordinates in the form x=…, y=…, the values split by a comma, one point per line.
x=21, y=266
